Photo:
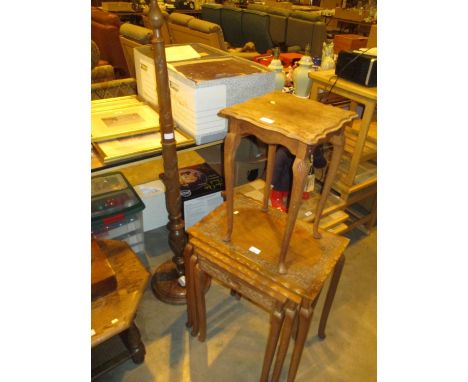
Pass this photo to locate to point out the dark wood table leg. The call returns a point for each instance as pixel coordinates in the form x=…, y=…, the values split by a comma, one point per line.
x=373, y=214
x=200, y=297
x=236, y=294
x=290, y=313
x=338, y=141
x=188, y=250
x=196, y=314
x=301, y=167
x=269, y=175
x=276, y=320
x=330, y=296
x=132, y=341
x=231, y=143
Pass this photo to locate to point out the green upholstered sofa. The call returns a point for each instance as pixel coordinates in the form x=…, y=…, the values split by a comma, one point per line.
x=288, y=29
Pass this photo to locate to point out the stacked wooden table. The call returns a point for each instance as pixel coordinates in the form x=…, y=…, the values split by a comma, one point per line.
x=264, y=254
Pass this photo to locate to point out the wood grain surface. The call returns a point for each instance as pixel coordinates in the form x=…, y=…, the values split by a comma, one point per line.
x=309, y=261
x=114, y=313
x=305, y=120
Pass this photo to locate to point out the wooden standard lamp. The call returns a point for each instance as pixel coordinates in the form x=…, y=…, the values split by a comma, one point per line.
x=168, y=281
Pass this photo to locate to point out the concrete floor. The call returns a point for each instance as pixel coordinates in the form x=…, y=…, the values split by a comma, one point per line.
x=237, y=330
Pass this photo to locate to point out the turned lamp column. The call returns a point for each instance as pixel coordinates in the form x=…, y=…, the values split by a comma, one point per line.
x=167, y=279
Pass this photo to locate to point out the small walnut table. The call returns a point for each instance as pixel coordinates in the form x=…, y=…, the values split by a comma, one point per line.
x=114, y=313
x=298, y=124
x=248, y=265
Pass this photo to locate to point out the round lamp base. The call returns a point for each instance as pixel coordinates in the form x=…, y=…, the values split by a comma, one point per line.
x=165, y=285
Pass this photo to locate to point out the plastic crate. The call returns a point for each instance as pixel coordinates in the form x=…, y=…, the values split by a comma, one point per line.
x=116, y=211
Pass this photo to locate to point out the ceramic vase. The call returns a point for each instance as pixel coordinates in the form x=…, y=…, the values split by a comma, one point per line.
x=277, y=67
x=302, y=82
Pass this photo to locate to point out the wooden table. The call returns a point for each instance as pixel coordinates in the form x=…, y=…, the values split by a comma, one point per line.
x=350, y=190
x=298, y=124
x=114, y=313
x=288, y=298
x=355, y=92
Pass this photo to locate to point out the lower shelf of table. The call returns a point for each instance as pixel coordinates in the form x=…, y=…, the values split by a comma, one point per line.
x=107, y=356
x=333, y=215
x=366, y=177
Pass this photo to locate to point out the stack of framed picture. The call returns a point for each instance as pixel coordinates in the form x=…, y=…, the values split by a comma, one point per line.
x=124, y=127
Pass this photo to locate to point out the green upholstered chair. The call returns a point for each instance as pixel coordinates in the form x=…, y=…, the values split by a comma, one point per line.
x=211, y=12
x=303, y=28
x=278, y=25
x=231, y=23
x=257, y=7
x=256, y=28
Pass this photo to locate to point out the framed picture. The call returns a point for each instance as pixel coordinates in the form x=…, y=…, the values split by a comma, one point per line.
x=108, y=104
x=123, y=122
x=148, y=143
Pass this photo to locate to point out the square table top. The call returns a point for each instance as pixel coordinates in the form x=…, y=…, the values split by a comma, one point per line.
x=302, y=119
x=309, y=260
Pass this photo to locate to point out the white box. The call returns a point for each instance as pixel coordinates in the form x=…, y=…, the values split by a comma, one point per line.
x=153, y=195
x=198, y=208
x=200, y=87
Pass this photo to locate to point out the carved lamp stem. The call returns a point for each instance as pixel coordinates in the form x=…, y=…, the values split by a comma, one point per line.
x=177, y=238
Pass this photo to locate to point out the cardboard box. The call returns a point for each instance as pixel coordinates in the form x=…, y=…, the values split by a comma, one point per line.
x=200, y=189
x=349, y=42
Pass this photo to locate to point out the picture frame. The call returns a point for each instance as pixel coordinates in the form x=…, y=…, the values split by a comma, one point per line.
x=126, y=147
x=123, y=122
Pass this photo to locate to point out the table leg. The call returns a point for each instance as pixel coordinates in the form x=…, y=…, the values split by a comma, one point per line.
x=196, y=314
x=369, y=109
x=132, y=340
x=373, y=214
x=201, y=307
x=330, y=296
x=236, y=294
x=314, y=91
x=304, y=319
x=276, y=320
x=269, y=175
x=296, y=324
x=190, y=294
x=231, y=143
x=284, y=343
x=301, y=167
x=338, y=146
